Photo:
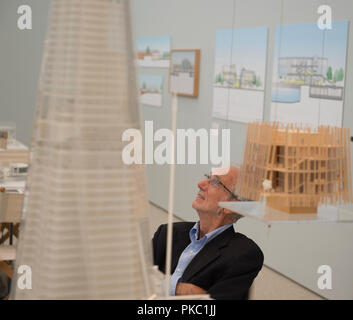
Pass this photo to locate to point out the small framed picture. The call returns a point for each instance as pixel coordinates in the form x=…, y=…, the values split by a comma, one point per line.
x=184, y=72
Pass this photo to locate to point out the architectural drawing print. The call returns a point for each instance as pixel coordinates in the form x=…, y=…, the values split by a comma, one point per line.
x=309, y=74
x=151, y=87
x=153, y=51
x=238, y=87
x=184, y=72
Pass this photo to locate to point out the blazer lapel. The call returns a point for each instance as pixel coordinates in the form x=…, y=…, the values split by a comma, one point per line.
x=180, y=241
x=208, y=253
x=201, y=260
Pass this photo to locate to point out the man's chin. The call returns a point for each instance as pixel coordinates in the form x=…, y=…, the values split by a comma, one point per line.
x=194, y=204
x=197, y=203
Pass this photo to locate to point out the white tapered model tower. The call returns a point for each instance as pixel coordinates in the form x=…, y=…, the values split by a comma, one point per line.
x=84, y=230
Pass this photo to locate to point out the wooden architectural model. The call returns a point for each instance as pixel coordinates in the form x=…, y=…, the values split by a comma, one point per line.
x=296, y=169
x=84, y=229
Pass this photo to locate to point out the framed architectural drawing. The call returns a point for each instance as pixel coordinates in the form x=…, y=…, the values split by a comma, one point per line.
x=309, y=73
x=239, y=78
x=151, y=88
x=184, y=72
x=153, y=51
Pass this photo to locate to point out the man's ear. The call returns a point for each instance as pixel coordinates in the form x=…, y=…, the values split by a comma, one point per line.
x=226, y=211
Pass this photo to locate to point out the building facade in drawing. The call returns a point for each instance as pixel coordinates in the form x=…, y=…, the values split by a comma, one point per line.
x=303, y=70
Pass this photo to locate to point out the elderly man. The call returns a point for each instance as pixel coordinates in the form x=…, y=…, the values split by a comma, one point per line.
x=209, y=256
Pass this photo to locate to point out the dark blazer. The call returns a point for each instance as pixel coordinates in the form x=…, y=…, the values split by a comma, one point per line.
x=225, y=267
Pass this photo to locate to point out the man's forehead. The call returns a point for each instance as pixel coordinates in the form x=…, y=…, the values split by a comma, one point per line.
x=220, y=171
x=228, y=175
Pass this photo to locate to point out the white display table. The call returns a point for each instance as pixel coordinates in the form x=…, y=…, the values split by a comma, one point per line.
x=259, y=211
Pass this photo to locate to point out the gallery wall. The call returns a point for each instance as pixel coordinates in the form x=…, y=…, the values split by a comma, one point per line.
x=20, y=60
x=295, y=250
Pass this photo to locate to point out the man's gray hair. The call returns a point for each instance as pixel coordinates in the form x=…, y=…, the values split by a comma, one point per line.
x=235, y=216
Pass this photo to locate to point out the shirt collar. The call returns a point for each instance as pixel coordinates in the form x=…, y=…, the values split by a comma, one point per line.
x=194, y=232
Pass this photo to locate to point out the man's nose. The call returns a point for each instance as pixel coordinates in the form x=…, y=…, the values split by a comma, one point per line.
x=203, y=184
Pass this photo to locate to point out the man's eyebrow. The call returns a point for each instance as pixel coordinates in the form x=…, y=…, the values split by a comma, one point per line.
x=218, y=178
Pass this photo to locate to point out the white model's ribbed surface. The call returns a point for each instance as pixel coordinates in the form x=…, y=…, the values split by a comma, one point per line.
x=84, y=231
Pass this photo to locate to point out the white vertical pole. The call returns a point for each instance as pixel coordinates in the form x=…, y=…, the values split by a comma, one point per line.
x=171, y=198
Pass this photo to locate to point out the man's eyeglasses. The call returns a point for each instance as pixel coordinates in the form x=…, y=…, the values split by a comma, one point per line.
x=214, y=181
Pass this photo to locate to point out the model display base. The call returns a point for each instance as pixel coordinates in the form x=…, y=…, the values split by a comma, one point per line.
x=268, y=215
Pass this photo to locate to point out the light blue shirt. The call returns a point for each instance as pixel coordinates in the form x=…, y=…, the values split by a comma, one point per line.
x=192, y=250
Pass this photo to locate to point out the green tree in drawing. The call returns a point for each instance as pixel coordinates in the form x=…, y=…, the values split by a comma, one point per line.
x=329, y=73
x=258, y=82
x=335, y=76
x=340, y=75
x=219, y=78
x=144, y=86
x=148, y=50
